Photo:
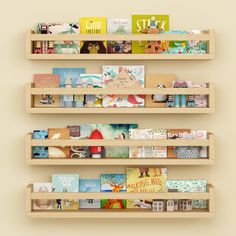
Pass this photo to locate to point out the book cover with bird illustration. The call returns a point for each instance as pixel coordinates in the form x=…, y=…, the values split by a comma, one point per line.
x=113, y=183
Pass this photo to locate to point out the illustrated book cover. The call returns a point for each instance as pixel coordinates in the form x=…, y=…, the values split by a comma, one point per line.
x=145, y=180
x=158, y=81
x=65, y=183
x=147, y=24
x=42, y=204
x=46, y=81
x=93, y=25
x=113, y=183
x=58, y=152
x=40, y=151
x=92, y=186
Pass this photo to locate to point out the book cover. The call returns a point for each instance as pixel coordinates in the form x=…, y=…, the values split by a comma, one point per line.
x=101, y=131
x=119, y=47
x=40, y=151
x=113, y=183
x=158, y=81
x=92, y=186
x=46, y=81
x=93, y=25
x=58, y=152
x=189, y=186
x=42, y=204
x=66, y=183
x=143, y=24
x=145, y=180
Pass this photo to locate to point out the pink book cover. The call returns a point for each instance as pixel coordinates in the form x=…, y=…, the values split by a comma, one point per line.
x=46, y=80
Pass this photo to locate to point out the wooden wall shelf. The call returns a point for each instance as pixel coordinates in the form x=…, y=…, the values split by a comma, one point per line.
x=31, y=91
x=210, y=143
x=119, y=213
x=207, y=36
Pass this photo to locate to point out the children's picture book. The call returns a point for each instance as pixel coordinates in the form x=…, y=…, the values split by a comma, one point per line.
x=40, y=151
x=58, y=152
x=42, y=204
x=93, y=25
x=66, y=183
x=119, y=47
x=189, y=186
x=145, y=180
x=100, y=131
x=154, y=133
x=92, y=186
x=46, y=81
x=148, y=24
x=158, y=81
x=113, y=183
x=119, y=26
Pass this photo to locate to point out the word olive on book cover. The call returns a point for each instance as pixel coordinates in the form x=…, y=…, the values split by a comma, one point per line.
x=113, y=183
x=145, y=180
x=42, y=204
x=58, y=152
x=46, y=81
x=91, y=186
x=147, y=24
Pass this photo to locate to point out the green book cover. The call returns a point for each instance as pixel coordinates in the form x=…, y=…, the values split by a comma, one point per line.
x=140, y=25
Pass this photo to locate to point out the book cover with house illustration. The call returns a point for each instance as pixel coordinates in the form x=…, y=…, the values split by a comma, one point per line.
x=113, y=183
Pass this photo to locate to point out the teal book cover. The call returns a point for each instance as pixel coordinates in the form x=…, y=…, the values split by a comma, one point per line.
x=65, y=182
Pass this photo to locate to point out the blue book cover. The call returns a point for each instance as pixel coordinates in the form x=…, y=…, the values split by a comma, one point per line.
x=113, y=182
x=69, y=74
x=65, y=182
x=89, y=185
x=40, y=152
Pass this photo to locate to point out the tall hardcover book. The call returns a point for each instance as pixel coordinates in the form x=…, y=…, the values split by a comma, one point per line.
x=55, y=134
x=89, y=186
x=113, y=183
x=140, y=180
x=93, y=25
x=66, y=183
x=141, y=25
x=46, y=81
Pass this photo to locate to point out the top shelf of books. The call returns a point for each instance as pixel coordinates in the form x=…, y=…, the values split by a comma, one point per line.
x=32, y=39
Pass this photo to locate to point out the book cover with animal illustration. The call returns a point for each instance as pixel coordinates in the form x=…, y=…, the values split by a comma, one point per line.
x=91, y=186
x=147, y=151
x=158, y=81
x=113, y=183
x=93, y=25
x=46, y=81
x=42, y=204
x=123, y=77
x=145, y=180
x=148, y=24
x=65, y=183
x=100, y=131
x=40, y=151
x=93, y=81
x=58, y=152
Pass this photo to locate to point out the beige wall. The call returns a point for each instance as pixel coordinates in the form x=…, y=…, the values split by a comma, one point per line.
x=17, y=16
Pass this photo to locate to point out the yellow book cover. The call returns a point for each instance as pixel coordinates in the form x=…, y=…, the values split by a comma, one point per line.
x=93, y=25
x=145, y=180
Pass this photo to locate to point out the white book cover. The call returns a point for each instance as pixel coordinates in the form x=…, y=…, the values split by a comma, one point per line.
x=119, y=26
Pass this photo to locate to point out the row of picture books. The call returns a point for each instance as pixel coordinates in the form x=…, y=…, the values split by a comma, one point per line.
x=118, y=132
x=137, y=24
x=135, y=180
x=115, y=76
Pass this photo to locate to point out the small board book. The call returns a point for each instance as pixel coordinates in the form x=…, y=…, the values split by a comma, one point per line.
x=189, y=186
x=46, y=81
x=66, y=183
x=92, y=186
x=113, y=183
x=145, y=180
x=58, y=152
x=42, y=204
x=143, y=24
x=158, y=81
x=93, y=25
x=40, y=151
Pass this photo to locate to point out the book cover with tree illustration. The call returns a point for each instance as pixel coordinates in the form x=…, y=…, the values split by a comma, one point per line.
x=113, y=183
x=142, y=23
